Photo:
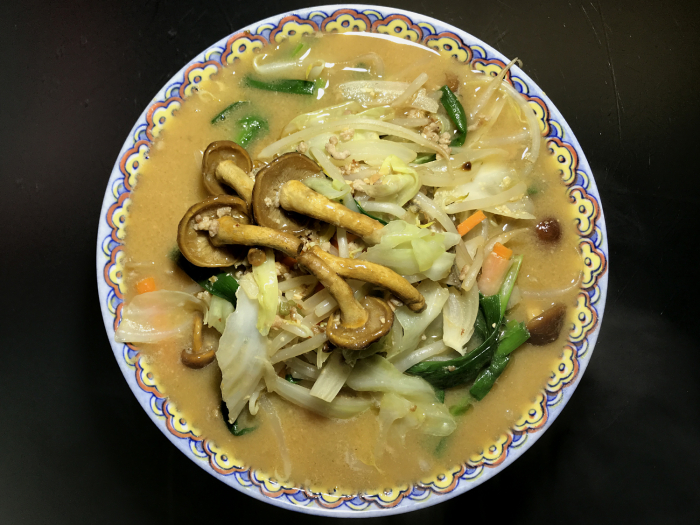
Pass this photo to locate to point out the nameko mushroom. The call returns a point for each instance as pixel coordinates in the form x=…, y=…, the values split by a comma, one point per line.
x=376, y=274
x=358, y=324
x=226, y=165
x=226, y=229
x=297, y=197
x=197, y=357
x=266, y=194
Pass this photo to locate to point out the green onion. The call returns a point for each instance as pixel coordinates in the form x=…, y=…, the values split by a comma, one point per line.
x=501, y=341
x=249, y=128
x=226, y=112
x=509, y=283
x=453, y=108
x=531, y=190
x=363, y=212
x=298, y=49
x=514, y=335
x=235, y=428
x=462, y=407
x=441, y=446
x=422, y=159
x=291, y=379
x=440, y=394
x=294, y=87
x=224, y=286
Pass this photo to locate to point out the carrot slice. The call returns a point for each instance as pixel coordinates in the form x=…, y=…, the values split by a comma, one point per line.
x=502, y=251
x=474, y=219
x=146, y=285
x=288, y=261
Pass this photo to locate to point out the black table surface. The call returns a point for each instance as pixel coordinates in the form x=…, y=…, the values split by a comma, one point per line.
x=77, y=448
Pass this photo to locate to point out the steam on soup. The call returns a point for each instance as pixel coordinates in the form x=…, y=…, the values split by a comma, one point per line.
x=349, y=261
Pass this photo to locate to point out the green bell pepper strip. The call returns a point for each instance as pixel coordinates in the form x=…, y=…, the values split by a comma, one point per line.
x=453, y=108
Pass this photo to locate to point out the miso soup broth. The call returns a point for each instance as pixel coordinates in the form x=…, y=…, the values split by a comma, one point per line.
x=403, y=183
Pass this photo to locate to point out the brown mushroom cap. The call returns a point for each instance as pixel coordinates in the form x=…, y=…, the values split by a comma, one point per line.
x=545, y=328
x=269, y=181
x=217, y=152
x=379, y=320
x=196, y=246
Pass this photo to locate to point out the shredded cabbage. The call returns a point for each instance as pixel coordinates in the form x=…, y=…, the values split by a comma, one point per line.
x=415, y=324
x=241, y=355
x=327, y=187
x=408, y=249
x=154, y=316
x=219, y=310
x=376, y=374
x=265, y=276
x=398, y=182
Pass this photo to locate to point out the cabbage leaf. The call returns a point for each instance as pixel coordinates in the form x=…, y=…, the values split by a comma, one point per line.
x=412, y=402
x=398, y=183
x=408, y=249
x=242, y=354
x=265, y=276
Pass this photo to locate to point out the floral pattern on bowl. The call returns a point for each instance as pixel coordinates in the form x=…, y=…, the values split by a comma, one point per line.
x=575, y=173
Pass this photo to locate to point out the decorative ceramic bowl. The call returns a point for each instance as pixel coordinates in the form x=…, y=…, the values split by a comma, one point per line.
x=575, y=173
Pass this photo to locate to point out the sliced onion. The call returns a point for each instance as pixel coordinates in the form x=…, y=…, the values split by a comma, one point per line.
x=430, y=208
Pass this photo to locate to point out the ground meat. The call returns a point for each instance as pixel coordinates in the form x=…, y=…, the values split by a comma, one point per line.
x=205, y=223
x=416, y=113
x=347, y=134
x=331, y=149
x=353, y=167
x=431, y=131
x=226, y=210
x=303, y=147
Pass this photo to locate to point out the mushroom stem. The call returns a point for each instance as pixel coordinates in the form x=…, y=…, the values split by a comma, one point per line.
x=296, y=196
x=229, y=173
x=232, y=232
x=376, y=274
x=196, y=358
x=352, y=313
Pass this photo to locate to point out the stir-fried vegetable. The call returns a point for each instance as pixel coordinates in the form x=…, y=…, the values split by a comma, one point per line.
x=241, y=355
x=467, y=225
x=155, y=316
x=363, y=212
x=265, y=276
x=225, y=113
x=294, y=87
x=249, y=128
x=460, y=371
x=453, y=108
x=384, y=151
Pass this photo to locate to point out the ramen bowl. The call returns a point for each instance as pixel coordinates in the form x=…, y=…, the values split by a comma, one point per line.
x=575, y=174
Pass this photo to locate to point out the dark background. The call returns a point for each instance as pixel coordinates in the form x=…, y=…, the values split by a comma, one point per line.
x=75, y=446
